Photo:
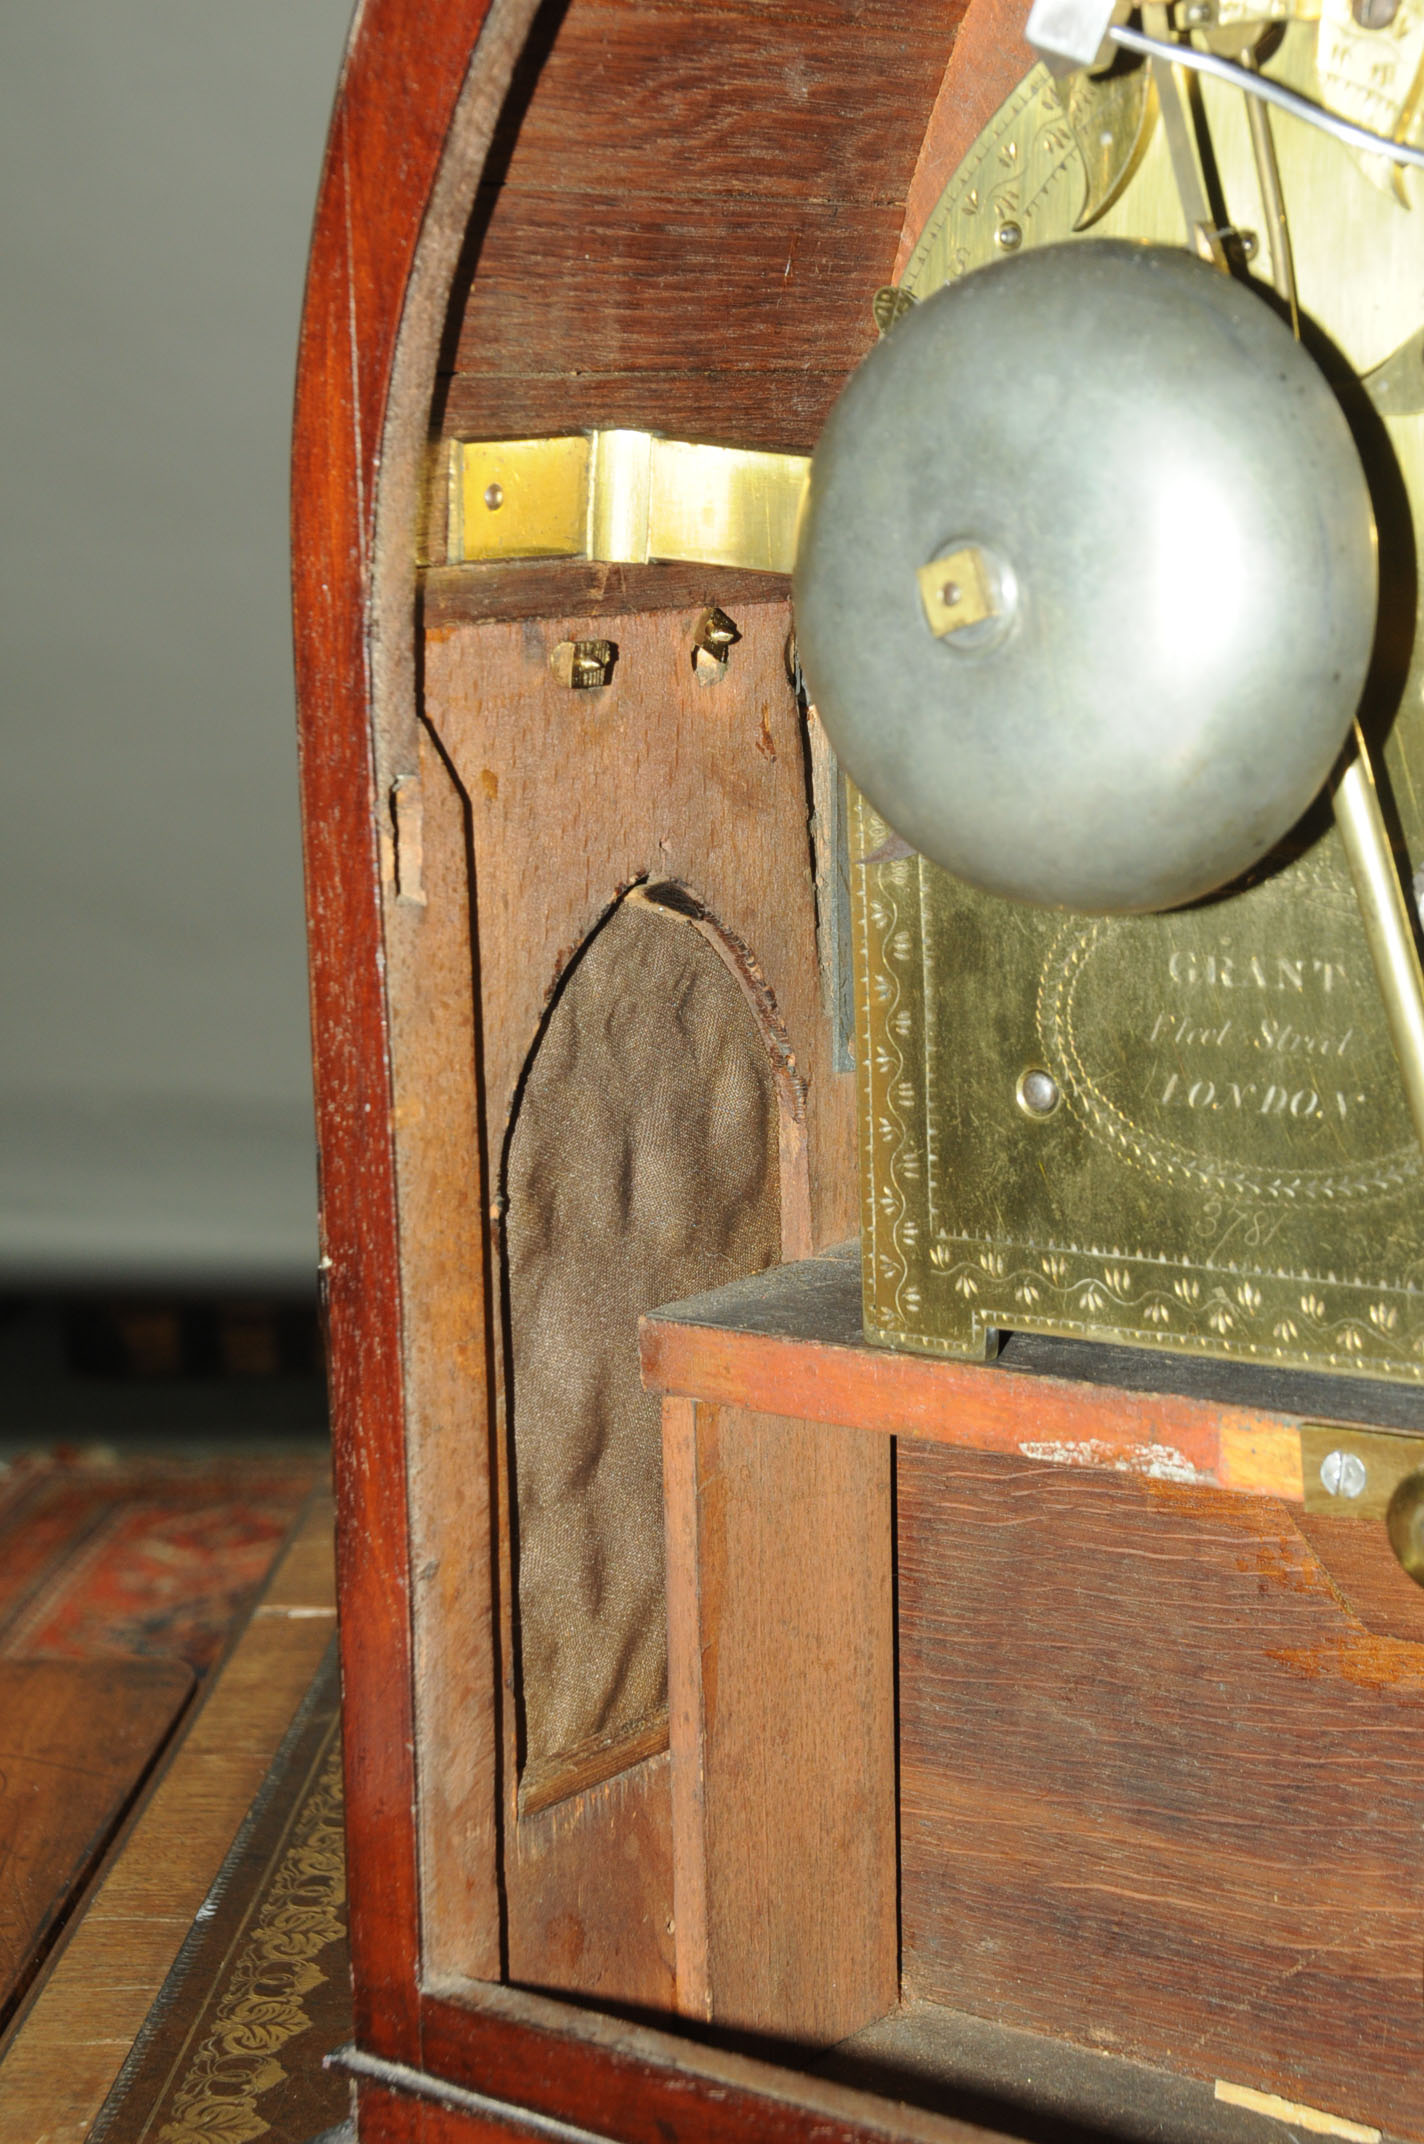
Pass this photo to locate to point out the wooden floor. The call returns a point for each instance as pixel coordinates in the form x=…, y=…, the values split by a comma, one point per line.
x=80, y=2021
x=76, y=1739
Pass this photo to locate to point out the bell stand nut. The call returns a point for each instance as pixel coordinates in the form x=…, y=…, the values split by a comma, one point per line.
x=958, y=589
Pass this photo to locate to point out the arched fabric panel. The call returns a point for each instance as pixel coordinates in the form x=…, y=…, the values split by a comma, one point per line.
x=643, y=1166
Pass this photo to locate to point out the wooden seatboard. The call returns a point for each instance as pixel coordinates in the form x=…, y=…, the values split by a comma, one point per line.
x=792, y=1340
x=698, y=1351
x=1161, y=1790
x=76, y=1740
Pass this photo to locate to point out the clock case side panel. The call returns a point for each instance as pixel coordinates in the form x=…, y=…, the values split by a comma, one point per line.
x=405, y=1263
x=388, y=227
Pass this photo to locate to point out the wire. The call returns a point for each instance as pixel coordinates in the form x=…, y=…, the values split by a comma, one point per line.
x=1260, y=85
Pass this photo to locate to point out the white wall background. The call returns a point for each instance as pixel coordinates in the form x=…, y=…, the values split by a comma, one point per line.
x=158, y=169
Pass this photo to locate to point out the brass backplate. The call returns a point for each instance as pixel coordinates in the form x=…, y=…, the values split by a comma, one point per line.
x=1213, y=1153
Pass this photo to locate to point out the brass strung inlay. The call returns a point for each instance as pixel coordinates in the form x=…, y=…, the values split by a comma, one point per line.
x=1229, y=1166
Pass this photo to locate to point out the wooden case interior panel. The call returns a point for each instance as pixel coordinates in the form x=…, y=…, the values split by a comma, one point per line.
x=782, y=1702
x=684, y=229
x=674, y=231
x=666, y=780
x=702, y=269
x=1160, y=1788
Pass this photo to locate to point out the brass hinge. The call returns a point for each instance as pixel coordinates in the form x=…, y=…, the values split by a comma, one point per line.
x=625, y=497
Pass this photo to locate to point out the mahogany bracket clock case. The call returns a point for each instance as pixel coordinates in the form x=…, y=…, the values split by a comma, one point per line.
x=879, y=1430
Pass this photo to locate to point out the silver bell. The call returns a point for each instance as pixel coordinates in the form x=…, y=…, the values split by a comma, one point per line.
x=1086, y=583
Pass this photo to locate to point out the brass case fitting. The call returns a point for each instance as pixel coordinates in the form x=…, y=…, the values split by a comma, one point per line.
x=624, y=497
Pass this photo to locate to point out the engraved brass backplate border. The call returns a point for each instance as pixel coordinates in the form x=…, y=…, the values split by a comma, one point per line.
x=978, y=1218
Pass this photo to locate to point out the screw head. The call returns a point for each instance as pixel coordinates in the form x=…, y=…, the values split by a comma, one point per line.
x=494, y=497
x=1037, y=1093
x=1343, y=1474
x=1009, y=237
x=712, y=644
x=950, y=593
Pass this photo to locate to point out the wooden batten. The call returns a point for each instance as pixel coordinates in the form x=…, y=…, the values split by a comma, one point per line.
x=782, y=1712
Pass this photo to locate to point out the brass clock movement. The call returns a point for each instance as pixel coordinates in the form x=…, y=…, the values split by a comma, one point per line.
x=1106, y=593
x=1188, y=1129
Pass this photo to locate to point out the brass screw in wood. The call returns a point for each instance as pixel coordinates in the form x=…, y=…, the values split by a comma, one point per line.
x=583, y=665
x=712, y=643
